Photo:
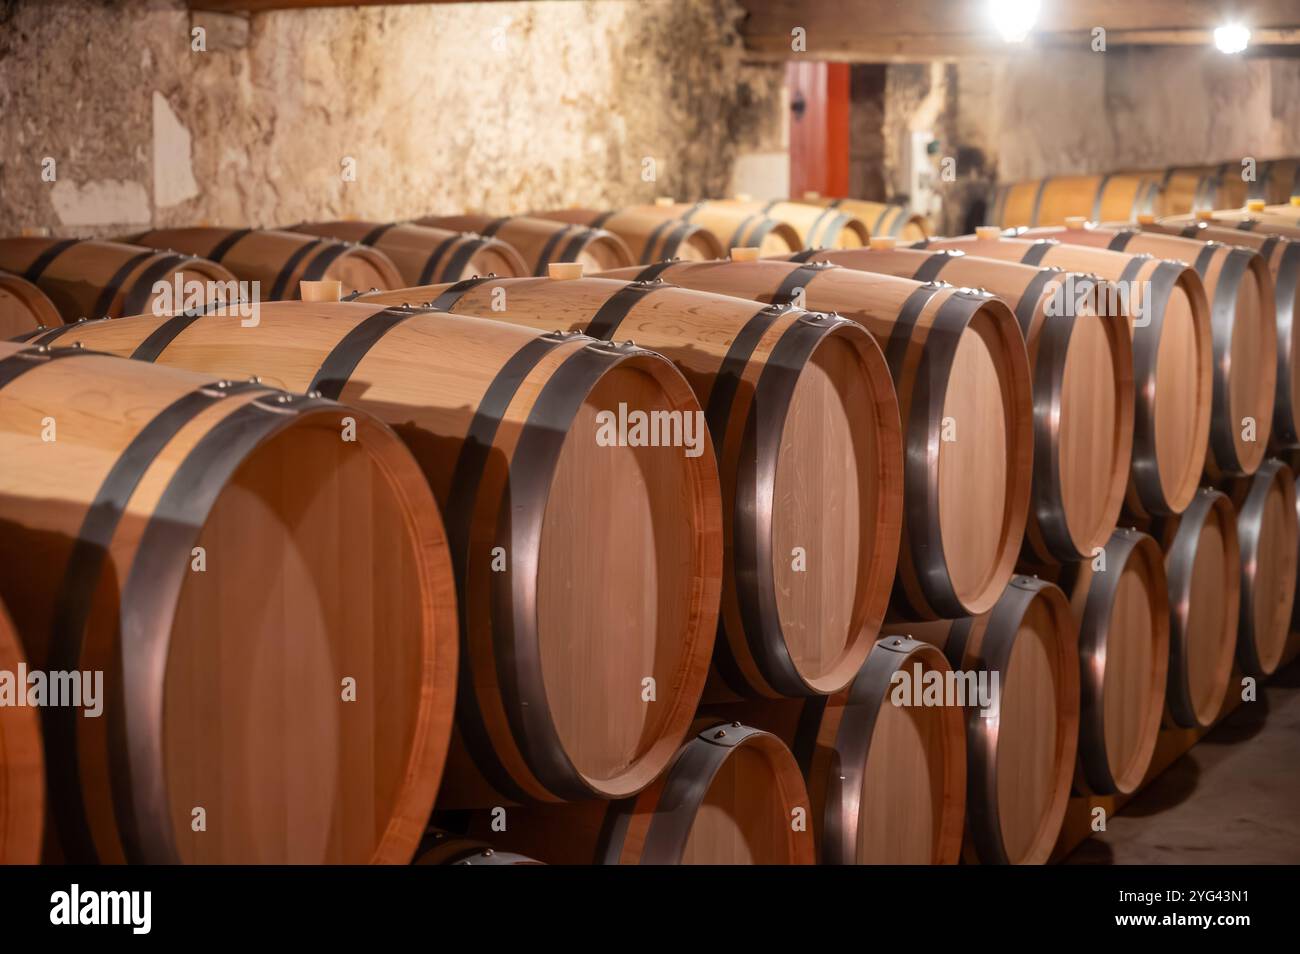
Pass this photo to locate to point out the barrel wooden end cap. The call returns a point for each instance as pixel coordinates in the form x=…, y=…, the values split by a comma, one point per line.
x=564, y=271
x=882, y=243
x=988, y=233
x=1256, y=205
x=324, y=290
x=1075, y=222
x=744, y=254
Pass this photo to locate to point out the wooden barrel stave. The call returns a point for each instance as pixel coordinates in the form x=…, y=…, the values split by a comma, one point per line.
x=1169, y=444
x=542, y=241
x=652, y=237
x=479, y=404
x=787, y=631
x=818, y=226
x=730, y=227
x=894, y=219
x=423, y=254
x=1051, y=201
x=280, y=260
x=22, y=763
x=256, y=485
x=25, y=310
x=956, y=558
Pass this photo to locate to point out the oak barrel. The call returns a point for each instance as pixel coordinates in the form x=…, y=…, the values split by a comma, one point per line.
x=805, y=422
x=589, y=575
x=424, y=254
x=1021, y=747
x=829, y=226
x=1082, y=373
x=24, y=308
x=22, y=764
x=93, y=279
x=1282, y=256
x=1267, y=531
x=1192, y=188
x=732, y=227
x=278, y=260
x=1244, y=330
x=1121, y=601
x=265, y=654
x=542, y=241
x=962, y=378
x=894, y=219
x=1203, y=567
x=1172, y=357
x=1050, y=201
x=651, y=237
x=732, y=795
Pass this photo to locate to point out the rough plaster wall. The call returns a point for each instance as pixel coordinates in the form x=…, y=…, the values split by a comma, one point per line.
x=494, y=106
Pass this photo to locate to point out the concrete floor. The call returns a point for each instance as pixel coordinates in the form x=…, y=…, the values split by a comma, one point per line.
x=1233, y=799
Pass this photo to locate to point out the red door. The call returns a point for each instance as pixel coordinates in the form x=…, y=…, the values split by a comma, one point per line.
x=819, y=127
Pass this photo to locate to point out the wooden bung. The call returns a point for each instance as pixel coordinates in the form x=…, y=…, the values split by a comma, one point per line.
x=540, y=241
x=650, y=236
x=805, y=422
x=424, y=254
x=22, y=764
x=1050, y=201
x=1120, y=599
x=962, y=378
x=1172, y=357
x=1282, y=257
x=1081, y=365
x=732, y=795
x=1203, y=567
x=881, y=218
x=1021, y=748
x=1244, y=332
x=25, y=310
x=266, y=655
x=1267, y=531
x=280, y=260
x=96, y=279
x=563, y=695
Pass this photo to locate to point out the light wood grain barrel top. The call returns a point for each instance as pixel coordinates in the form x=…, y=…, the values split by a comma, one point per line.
x=425, y=254
x=1267, y=530
x=241, y=595
x=1123, y=613
x=1202, y=564
x=1021, y=750
x=22, y=765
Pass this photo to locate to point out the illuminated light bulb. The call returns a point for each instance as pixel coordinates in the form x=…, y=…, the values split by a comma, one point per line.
x=1014, y=18
x=1232, y=38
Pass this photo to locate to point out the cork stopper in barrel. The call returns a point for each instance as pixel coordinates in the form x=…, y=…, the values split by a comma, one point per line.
x=664, y=201
x=988, y=233
x=564, y=271
x=1255, y=205
x=1075, y=221
x=745, y=254
x=1205, y=215
x=1146, y=219
x=812, y=194
x=742, y=197
x=1295, y=201
x=330, y=289
x=882, y=243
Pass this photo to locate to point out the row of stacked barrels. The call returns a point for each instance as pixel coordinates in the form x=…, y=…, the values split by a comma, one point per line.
x=497, y=560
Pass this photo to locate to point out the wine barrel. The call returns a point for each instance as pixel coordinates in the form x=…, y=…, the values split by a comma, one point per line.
x=1282, y=256
x=95, y=279
x=443, y=848
x=278, y=260
x=731, y=227
x=960, y=371
x=423, y=254
x=1244, y=322
x=894, y=219
x=1050, y=201
x=1021, y=746
x=651, y=237
x=1192, y=188
x=556, y=699
x=817, y=226
x=1267, y=530
x=22, y=766
x=541, y=241
x=24, y=308
x=265, y=655
x=732, y=795
x=804, y=417
x=1082, y=373
x=1172, y=357
x=1276, y=181
x=1202, y=565
x=1121, y=602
